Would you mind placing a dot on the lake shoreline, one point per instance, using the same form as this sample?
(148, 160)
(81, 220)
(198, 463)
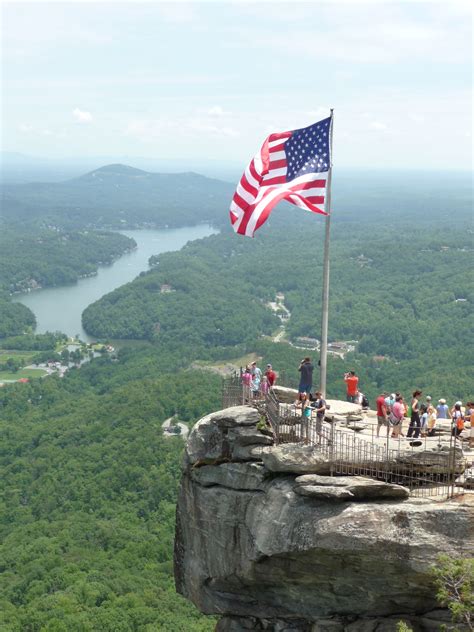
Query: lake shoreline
(59, 308)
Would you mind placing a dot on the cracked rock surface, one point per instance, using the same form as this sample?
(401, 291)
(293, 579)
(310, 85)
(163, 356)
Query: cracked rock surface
(277, 550)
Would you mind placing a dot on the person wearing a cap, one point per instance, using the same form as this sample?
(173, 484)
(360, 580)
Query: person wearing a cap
(270, 375)
(442, 409)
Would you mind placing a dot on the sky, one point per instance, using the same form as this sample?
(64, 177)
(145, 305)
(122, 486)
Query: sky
(210, 80)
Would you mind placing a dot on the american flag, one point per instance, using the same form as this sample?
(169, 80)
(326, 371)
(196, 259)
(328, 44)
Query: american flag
(291, 166)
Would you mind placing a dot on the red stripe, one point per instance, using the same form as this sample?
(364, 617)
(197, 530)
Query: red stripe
(312, 184)
(254, 173)
(240, 201)
(306, 204)
(278, 147)
(277, 135)
(275, 180)
(245, 184)
(278, 164)
(315, 199)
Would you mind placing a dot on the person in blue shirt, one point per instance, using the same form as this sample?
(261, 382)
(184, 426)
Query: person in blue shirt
(442, 409)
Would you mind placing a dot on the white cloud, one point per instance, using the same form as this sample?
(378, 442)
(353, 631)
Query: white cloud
(319, 113)
(25, 128)
(377, 125)
(216, 110)
(81, 116)
(149, 130)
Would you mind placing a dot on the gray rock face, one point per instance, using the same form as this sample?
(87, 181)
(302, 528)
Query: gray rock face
(295, 458)
(216, 436)
(270, 550)
(348, 488)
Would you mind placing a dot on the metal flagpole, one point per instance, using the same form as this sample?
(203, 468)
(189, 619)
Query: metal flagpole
(325, 306)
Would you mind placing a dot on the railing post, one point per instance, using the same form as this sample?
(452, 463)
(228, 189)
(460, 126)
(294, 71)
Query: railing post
(331, 449)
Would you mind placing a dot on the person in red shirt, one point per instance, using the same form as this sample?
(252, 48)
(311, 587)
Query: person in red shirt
(352, 382)
(382, 419)
(270, 375)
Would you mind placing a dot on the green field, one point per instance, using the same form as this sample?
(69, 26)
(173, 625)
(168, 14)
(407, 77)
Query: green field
(29, 373)
(25, 356)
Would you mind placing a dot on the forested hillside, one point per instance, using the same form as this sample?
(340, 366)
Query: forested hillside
(118, 196)
(88, 503)
(32, 257)
(87, 513)
(403, 292)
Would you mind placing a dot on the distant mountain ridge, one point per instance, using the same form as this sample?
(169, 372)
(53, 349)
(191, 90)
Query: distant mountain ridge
(113, 170)
(118, 196)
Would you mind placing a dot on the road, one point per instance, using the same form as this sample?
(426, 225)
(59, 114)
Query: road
(166, 425)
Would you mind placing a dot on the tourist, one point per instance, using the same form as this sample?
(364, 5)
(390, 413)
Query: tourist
(442, 409)
(247, 382)
(319, 404)
(389, 402)
(469, 417)
(423, 420)
(306, 376)
(270, 375)
(427, 402)
(457, 419)
(256, 372)
(396, 417)
(352, 382)
(301, 397)
(265, 386)
(431, 424)
(382, 414)
(414, 427)
(306, 411)
(256, 384)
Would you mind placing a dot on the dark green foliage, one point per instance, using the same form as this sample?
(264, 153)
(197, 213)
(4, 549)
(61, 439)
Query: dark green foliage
(87, 517)
(396, 296)
(34, 342)
(31, 257)
(212, 303)
(14, 317)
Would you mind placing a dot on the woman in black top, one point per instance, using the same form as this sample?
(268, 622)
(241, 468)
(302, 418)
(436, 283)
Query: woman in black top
(415, 416)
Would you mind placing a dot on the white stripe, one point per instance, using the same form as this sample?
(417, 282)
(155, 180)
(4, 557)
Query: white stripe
(236, 224)
(250, 179)
(308, 178)
(259, 208)
(277, 155)
(300, 203)
(274, 173)
(245, 195)
(266, 195)
(309, 192)
(257, 161)
(274, 143)
(236, 208)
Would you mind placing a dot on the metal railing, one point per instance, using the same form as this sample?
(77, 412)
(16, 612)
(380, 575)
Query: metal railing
(428, 466)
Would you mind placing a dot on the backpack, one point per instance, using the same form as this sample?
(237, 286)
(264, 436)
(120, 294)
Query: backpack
(459, 422)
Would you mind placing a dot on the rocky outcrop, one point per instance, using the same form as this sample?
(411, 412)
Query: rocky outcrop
(270, 549)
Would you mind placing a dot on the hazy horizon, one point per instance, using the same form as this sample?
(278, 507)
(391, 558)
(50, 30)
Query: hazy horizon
(183, 81)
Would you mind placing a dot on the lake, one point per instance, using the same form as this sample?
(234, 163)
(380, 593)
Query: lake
(60, 308)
